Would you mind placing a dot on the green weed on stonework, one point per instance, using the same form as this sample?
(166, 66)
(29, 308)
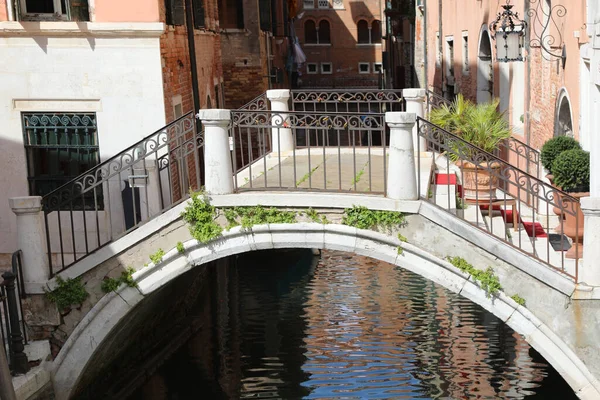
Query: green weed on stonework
(157, 257)
(67, 293)
(111, 284)
(258, 215)
(487, 280)
(363, 218)
(180, 248)
(518, 299)
(201, 215)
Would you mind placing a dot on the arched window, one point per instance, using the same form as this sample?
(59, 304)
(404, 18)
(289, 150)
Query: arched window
(376, 31)
(310, 32)
(564, 122)
(362, 28)
(324, 33)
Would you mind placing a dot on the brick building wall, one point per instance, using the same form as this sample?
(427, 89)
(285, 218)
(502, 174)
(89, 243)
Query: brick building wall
(344, 51)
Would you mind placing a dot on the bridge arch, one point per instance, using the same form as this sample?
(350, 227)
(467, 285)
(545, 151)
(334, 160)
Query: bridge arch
(114, 308)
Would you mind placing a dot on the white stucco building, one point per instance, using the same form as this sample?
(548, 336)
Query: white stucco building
(73, 93)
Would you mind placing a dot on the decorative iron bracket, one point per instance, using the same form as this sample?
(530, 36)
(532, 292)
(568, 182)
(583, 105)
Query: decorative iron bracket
(544, 24)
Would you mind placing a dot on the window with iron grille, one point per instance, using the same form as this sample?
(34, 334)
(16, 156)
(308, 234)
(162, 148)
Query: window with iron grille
(60, 147)
(52, 10)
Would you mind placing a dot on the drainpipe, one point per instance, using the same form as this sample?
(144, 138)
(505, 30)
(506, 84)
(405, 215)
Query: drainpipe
(441, 47)
(425, 64)
(192, 46)
(528, 80)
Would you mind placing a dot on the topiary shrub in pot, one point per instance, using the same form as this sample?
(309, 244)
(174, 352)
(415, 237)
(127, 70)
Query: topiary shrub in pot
(553, 147)
(571, 170)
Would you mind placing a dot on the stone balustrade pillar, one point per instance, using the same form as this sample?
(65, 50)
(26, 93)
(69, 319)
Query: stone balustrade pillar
(31, 239)
(589, 270)
(415, 103)
(218, 171)
(282, 138)
(401, 174)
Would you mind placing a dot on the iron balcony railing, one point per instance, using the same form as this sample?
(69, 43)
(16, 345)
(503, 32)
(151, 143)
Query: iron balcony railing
(350, 156)
(137, 184)
(12, 322)
(481, 188)
(348, 100)
(340, 82)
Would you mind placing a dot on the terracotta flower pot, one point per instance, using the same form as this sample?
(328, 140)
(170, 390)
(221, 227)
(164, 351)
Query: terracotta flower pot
(573, 224)
(478, 181)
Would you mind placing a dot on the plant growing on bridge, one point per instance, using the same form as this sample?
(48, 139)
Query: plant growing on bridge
(486, 279)
(403, 239)
(67, 293)
(518, 299)
(112, 284)
(231, 216)
(180, 248)
(201, 217)
(157, 257)
(258, 215)
(363, 218)
(315, 217)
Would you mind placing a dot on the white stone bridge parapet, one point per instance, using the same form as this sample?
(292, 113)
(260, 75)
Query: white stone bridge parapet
(560, 319)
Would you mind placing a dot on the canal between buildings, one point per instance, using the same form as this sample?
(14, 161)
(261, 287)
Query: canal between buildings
(289, 325)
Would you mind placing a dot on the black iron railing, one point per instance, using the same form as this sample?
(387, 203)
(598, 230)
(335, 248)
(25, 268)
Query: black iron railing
(365, 101)
(350, 156)
(137, 184)
(512, 149)
(12, 322)
(481, 187)
(259, 103)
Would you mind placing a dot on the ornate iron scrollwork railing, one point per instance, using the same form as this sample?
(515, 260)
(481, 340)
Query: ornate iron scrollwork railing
(492, 186)
(139, 183)
(348, 101)
(348, 144)
(259, 103)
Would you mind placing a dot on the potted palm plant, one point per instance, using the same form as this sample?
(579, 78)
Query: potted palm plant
(484, 127)
(571, 170)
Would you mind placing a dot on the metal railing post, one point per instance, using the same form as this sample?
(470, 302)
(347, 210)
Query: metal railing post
(217, 156)
(18, 359)
(31, 238)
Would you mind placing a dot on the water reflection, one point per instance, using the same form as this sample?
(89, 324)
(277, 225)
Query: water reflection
(285, 326)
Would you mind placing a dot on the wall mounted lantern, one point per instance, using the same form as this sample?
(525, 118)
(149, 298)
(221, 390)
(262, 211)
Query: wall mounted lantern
(508, 30)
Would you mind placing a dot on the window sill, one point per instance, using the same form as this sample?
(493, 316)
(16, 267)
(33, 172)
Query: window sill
(317, 44)
(81, 29)
(367, 44)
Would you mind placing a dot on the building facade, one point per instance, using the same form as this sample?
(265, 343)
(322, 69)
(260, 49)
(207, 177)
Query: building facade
(342, 41)
(540, 95)
(82, 81)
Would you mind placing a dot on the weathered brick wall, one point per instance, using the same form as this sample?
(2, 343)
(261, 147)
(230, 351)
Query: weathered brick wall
(344, 52)
(244, 61)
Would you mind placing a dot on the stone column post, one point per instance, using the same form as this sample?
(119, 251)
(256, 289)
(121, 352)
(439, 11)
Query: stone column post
(401, 174)
(217, 156)
(31, 239)
(589, 272)
(415, 103)
(282, 138)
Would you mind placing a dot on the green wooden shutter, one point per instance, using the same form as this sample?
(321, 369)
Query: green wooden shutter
(198, 8)
(264, 11)
(175, 12)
